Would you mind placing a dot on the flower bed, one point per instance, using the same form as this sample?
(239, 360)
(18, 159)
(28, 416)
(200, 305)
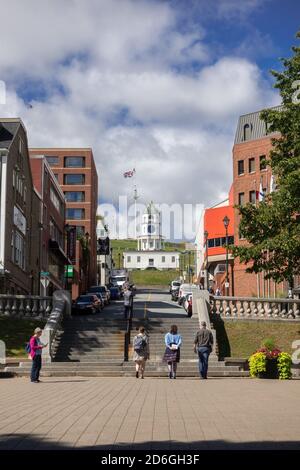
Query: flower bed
(269, 362)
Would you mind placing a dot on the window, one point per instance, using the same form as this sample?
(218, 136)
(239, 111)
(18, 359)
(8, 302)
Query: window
(80, 231)
(75, 214)
(211, 243)
(252, 197)
(217, 241)
(151, 244)
(173, 259)
(247, 132)
(128, 259)
(241, 199)
(56, 201)
(230, 240)
(240, 167)
(18, 249)
(53, 161)
(151, 262)
(55, 233)
(138, 259)
(251, 165)
(262, 163)
(75, 196)
(74, 162)
(74, 179)
(163, 259)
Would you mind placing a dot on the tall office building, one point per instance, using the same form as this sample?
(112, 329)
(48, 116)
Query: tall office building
(75, 171)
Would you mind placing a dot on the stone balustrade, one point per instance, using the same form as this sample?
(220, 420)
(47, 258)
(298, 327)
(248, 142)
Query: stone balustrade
(25, 306)
(255, 308)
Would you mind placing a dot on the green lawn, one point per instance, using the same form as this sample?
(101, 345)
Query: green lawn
(153, 278)
(16, 333)
(242, 338)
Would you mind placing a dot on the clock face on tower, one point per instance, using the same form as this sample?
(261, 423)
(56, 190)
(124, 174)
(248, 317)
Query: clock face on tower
(151, 228)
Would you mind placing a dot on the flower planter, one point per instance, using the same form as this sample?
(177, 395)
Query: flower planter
(271, 370)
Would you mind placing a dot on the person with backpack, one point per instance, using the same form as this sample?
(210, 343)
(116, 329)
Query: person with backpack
(34, 348)
(141, 352)
(172, 353)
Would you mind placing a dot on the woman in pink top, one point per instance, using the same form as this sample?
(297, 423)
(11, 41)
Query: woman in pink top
(36, 347)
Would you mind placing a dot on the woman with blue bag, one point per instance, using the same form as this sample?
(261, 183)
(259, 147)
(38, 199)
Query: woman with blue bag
(172, 353)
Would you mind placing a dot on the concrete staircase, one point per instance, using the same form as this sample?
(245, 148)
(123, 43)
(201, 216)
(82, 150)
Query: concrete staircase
(92, 346)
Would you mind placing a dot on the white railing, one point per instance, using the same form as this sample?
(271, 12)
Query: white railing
(25, 306)
(255, 308)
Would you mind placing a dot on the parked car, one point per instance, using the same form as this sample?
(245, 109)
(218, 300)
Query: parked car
(115, 293)
(188, 304)
(103, 290)
(184, 290)
(174, 285)
(88, 303)
(99, 296)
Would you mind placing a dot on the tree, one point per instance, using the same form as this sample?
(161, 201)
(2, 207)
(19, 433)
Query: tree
(273, 227)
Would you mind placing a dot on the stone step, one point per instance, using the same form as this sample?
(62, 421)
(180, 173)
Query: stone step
(119, 373)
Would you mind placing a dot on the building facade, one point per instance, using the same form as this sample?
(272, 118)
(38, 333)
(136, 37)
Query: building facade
(251, 180)
(150, 245)
(19, 234)
(211, 243)
(76, 174)
(52, 206)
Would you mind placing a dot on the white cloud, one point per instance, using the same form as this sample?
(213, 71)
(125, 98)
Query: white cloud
(125, 99)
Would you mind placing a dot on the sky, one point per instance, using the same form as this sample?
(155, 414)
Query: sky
(154, 85)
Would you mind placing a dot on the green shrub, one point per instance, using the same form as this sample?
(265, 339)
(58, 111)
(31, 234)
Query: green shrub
(284, 364)
(257, 364)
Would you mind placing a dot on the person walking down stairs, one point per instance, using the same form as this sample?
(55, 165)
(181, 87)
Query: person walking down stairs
(203, 345)
(172, 353)
(128, 303)
(141, 352)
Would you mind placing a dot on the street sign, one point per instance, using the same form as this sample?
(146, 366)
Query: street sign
(69, 271)
(226, 285)
(44, 273)
(45, 282)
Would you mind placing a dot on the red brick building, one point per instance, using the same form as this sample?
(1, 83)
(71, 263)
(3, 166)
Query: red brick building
(75, 171)
(19, 233)
(251, 176)
(52, 224)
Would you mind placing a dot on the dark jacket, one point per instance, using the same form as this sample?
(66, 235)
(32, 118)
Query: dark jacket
(204, 338)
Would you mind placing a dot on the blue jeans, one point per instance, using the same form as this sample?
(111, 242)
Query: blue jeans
(36, 367)
(203, 355)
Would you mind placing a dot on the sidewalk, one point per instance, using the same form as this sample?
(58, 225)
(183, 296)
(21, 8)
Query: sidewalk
(114, 413)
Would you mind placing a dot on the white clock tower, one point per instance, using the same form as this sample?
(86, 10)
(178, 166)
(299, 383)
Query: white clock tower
(150, 238)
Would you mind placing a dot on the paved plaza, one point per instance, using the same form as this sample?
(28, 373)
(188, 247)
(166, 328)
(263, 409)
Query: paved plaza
(114, 413)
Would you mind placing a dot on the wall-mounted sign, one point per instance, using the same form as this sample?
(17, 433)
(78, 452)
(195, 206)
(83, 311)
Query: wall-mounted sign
(19, 220)
(69, 271)
(71, 244)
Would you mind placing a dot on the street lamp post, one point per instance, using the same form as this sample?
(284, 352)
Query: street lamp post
(226, 221)
(189, 254)
(206, 251)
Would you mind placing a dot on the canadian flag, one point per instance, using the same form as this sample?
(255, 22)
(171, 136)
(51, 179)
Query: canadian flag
(129, 173)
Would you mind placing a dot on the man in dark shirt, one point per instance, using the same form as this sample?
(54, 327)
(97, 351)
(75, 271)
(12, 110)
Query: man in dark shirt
(203, 345)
